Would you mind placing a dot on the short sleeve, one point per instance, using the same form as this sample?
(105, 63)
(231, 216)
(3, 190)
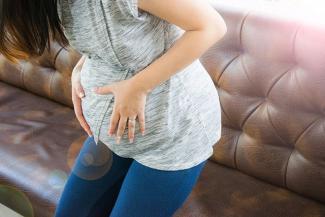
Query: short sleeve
(130, 7)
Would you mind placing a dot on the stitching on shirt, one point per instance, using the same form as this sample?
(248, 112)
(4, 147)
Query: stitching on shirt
(197, 113)
(116, 58)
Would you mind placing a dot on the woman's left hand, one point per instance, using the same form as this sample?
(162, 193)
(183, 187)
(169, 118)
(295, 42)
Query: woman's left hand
(129, 104)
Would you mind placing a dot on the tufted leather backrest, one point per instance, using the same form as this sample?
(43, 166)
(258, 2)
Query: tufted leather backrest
(270, 74)
(269, 70)
(48, 75)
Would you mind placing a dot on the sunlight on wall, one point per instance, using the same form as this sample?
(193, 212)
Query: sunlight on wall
(311, 11)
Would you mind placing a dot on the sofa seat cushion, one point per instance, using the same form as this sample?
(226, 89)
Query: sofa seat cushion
(39, 140)
(225, 192)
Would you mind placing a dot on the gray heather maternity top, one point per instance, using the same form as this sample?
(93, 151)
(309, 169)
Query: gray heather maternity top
(182, 114)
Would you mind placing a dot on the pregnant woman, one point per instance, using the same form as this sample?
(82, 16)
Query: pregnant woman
(150, 108)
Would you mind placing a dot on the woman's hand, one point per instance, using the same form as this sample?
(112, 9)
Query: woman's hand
(129, 104)
(77, 94)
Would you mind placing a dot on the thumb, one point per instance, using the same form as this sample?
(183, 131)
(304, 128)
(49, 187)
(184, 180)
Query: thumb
(103, 89)
(80, 91)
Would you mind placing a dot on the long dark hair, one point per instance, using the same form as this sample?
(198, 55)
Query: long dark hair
(27, 28)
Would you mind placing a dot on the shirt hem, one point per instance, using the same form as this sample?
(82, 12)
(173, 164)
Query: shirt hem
(197, 161)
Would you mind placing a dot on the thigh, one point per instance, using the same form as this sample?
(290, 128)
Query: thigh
(148, 192)
(94, 182)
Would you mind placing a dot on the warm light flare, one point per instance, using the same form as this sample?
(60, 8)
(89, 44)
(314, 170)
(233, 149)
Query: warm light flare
(312, 11)
(304, 11)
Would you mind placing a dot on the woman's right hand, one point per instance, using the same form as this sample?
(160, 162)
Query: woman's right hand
(77, 94)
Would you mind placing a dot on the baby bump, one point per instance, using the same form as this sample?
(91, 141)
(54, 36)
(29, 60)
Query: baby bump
(157, 125)
(95, 73)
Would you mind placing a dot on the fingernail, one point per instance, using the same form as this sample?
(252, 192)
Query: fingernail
(142, 133)
(95, 89)
(118, 138)
(131, 140)
(81, 95)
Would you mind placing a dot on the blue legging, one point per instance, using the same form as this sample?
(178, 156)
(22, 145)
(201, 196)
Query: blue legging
(103, 184)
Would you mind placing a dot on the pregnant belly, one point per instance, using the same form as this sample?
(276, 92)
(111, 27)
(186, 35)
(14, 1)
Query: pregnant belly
(95, 73)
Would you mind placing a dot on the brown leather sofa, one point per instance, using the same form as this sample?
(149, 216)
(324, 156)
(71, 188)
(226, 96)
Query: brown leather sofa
(270, 162)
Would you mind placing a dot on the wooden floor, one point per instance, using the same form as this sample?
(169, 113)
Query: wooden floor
(6, 212)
